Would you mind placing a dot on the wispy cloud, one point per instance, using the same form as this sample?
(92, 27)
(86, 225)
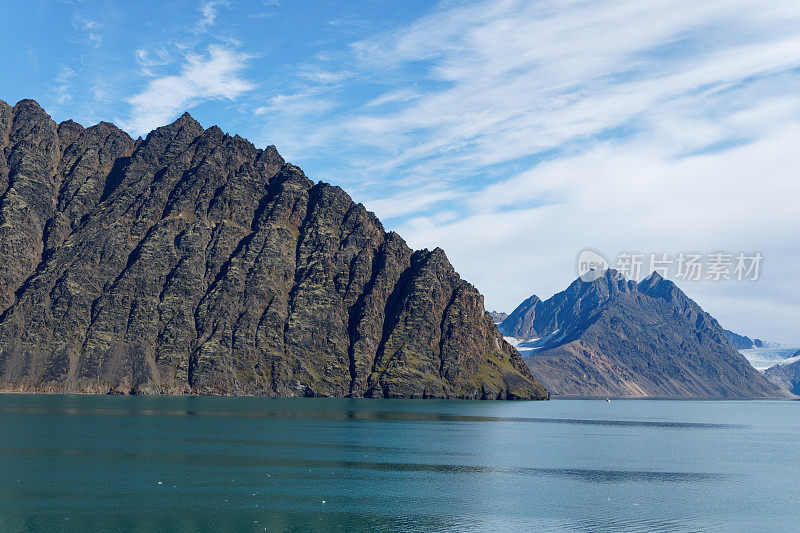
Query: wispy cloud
(411, 202)
(508, 79)
(208, 13)
(392, 97)
(513, 133)
(150, 60)
(296, 104)
(63, 88)
(216, 74)
(271, 12)
(635, 196)
(101, 90)
(89, 28)
(551, 126)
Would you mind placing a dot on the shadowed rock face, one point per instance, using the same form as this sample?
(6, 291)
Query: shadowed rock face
(192, 262)
(612, 337)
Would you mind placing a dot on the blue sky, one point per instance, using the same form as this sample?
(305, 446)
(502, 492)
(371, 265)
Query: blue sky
(513, 134)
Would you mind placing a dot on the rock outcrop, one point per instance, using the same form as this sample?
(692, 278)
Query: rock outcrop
(613, 337)
(742, 342)
(193, 262)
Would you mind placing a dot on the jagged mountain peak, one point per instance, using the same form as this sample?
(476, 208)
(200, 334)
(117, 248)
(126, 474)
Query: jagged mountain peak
(185, 128)
(217, 131)
(653, 277)
(24, 102)
(521, 323)
(655, 284)
(191, 261)
(611, 337)
(185, 121)
(608, 284)
(71, 124)
(566, 310)
(28, 104)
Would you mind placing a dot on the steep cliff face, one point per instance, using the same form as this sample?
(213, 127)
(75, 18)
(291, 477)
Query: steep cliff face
(191, 261)
(612, 337)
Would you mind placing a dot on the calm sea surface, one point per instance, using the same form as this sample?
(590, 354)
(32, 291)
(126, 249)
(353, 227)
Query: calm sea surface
(232, 464)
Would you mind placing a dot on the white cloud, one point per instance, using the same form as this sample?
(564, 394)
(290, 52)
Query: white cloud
(296, 104)
(89, 28)
(208, 13)
(101, 90)
(665, 125)
(392, 97)
(149, 61)
(413, 202)
(517, 84)
(216, 74)
(517, 81)
(63, 88)
(271, 5)
(634, 196)
(325, 77)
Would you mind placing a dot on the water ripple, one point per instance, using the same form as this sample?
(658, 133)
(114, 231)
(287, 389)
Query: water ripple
(366, 415)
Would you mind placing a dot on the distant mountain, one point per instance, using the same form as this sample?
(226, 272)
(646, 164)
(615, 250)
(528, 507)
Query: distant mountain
(786, 374)
(193, 262)
(740, 342)
(534, 319)
(498, 317)
(613, 337)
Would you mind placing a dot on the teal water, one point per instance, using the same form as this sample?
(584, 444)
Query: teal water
(245, 464)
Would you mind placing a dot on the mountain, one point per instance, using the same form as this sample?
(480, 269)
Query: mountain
(613, 337)
(534, 319)
(193, 262)
(740, 342)
(519, 323)
(786, 374)
(497, 316)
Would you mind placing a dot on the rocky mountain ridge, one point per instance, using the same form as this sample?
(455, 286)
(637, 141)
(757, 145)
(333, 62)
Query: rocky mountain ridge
(743, 342)
(192, 262)
(614, 337)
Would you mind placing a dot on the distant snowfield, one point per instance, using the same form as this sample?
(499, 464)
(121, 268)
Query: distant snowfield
(767, 356)
(789, 361)
(761, 358)
(529, 346)
(520, 345)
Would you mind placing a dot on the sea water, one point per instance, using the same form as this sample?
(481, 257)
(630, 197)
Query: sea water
(253, 464)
